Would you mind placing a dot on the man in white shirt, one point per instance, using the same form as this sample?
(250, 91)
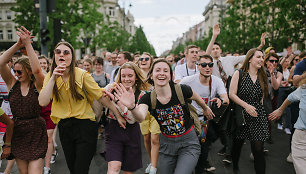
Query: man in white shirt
(189, 68)
(122, 57)
(208, 87)
(113, 65)
(225, 66)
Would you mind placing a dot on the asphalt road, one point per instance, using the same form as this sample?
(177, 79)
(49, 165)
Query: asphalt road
(275, 159)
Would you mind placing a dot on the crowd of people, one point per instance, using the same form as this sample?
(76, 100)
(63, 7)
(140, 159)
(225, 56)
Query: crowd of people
(179, 106)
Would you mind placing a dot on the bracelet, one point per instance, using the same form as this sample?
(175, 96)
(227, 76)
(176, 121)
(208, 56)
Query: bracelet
(132, 108)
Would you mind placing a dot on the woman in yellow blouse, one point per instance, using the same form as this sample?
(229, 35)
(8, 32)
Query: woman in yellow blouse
(65, 85)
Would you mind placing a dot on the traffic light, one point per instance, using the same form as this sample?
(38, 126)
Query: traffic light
(44, 36)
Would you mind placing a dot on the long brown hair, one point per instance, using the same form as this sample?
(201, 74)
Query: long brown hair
(72, 85)
(140, 81)
(261, 74)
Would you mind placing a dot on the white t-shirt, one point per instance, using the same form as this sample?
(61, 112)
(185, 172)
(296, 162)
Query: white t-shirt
(228, 64)
(113, 76)
(217, 87)
(182, 71)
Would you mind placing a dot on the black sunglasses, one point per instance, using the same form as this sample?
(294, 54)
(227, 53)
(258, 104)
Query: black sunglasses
(146, 59)
(273, 61)
(18, 72)
(210, 64)
(58, 51)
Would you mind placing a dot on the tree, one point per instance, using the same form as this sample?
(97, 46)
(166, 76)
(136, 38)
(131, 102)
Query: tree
(140, 42)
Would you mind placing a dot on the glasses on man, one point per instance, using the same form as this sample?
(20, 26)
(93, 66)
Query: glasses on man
(210, 64)
(145, 59)
(17, 72)
(58, 51)
(273, 61)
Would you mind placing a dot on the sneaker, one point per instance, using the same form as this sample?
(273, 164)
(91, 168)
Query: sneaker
(148, 168)
(266, 150)
(289, 158)
(222, 151)
(279, 126)
(153, 170)
(209, 168)
(251, 157)
(227, 159)
(47, 170)
(53, 157)
(288, 132)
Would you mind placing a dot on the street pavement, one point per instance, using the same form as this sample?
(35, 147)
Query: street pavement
(275, 159)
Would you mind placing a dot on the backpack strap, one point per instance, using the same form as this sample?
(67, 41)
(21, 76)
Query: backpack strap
(153, 100)
(179, 93)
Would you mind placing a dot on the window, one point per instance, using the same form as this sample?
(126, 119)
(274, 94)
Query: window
(111, 11)
(9, 35)
(8, 14)
(1, 34)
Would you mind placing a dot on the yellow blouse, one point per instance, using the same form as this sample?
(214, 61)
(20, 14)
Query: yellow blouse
(1, 112)
(68, 107)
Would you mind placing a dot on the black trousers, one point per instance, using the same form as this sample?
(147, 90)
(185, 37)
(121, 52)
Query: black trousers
(79, 141)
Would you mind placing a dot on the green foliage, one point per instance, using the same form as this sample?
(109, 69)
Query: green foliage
(283, 20)
(140, 43)
(80, 19)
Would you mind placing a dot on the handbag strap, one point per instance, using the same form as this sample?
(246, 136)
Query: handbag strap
(153, 99)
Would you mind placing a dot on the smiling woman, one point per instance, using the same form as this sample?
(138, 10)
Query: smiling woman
(29, 141)
(65, 84)
(179, 146)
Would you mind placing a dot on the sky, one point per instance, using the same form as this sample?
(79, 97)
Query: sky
(163, 21)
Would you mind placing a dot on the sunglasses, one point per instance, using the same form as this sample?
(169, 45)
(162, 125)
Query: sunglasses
(211, 64)
(273, 61)
(296, 60)
(145, 59)
(58, 51)
(17, 72)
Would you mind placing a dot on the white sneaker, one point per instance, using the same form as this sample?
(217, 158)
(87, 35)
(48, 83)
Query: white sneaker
(251, 156)
(289, 158)
(287, 130)
(279, 126)
(53, 157)
(47, 170)
(153, 170)
(148, 168)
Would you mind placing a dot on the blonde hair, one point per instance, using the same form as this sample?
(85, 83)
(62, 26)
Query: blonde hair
(140, 78)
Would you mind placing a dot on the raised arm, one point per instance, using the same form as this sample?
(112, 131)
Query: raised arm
(5, 71)
(262, 41)
(25, 37)
(216, 32)
(127, 98)
(233, 95)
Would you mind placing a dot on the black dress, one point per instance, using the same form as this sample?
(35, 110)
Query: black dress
(256, 128)
(30, 140)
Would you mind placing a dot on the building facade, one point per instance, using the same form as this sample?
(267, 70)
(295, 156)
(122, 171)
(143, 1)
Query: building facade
(7, 26)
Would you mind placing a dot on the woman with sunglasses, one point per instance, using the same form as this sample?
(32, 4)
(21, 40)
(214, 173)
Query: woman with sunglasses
(29, 141)
(252, 90)
(274, 81)
(149, 127)
(179, 146)
(72, 91)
